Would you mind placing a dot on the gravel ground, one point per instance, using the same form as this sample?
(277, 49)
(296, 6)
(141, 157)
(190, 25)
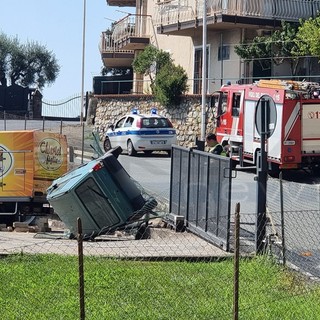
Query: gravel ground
(78, 136)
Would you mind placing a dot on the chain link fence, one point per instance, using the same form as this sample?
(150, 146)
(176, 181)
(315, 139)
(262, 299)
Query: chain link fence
(170, 273)
(165, 275)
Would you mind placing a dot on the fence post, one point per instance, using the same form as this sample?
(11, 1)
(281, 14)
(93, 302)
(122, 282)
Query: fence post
(282, 221)
(81, 274)
(82, 143)
(236, 262)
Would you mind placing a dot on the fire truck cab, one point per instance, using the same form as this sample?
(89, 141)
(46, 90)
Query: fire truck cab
(295, 139)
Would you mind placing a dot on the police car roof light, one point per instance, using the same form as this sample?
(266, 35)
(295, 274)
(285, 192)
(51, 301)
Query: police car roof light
(134, 111)
(153, 111)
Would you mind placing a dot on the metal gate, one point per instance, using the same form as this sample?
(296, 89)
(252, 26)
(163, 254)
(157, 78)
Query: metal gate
(200, 191)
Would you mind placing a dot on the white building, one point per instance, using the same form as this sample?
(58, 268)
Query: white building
(176, 26)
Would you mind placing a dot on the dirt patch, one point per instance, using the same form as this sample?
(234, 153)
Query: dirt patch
(78, 136)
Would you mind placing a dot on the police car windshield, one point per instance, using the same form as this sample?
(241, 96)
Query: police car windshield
(155, 123)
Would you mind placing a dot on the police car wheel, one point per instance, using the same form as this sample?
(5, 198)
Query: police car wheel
(106, 144)
(131, 149)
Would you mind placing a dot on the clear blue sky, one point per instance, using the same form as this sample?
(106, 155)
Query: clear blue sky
(58, 25)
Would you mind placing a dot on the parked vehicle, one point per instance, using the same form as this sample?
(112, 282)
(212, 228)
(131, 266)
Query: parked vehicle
(293, 122)
(103, 195)
(29, 161)
(139, 132)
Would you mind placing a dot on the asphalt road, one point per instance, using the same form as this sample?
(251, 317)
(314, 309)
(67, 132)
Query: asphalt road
(153, 174)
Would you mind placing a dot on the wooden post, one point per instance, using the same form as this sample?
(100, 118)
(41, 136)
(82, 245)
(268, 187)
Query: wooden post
(236, 262)
(81, 273)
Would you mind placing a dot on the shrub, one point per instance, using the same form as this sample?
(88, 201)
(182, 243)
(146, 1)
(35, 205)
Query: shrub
(170, 84)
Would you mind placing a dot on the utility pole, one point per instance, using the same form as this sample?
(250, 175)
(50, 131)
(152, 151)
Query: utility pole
(204, 73)
(262, 175)
(83, 59)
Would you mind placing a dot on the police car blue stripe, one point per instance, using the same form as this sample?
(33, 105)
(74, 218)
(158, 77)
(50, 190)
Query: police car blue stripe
(142, 132)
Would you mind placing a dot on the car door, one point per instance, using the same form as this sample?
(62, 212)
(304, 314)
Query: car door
(117, 135)
(128, 133)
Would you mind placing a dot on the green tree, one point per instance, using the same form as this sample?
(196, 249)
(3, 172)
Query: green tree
(150, 61)
(308, 37)
(257, 50)
(278, 48)
(170, 83)
(29, 64)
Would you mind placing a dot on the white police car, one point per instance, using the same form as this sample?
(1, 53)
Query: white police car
(140, 132)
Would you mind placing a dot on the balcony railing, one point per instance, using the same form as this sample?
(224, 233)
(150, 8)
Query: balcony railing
(107, 44)
(122, 3)
(170, 12)
(138, 26)
(130, 33)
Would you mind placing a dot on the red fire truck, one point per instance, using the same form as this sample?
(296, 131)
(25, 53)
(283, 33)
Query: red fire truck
(295, 123)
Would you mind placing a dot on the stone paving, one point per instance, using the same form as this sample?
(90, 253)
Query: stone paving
(164, 243)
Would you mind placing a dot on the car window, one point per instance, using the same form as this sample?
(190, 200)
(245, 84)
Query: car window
(155, 123)
(129, 122)
(119, 124)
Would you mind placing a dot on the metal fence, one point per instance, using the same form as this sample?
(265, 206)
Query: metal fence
(187, 10)
(66, 108)
(167, 275)
(201, 193)
(295, 220)
(170, 274)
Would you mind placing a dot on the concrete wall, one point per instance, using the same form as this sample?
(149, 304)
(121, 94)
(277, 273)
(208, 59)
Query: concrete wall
(186, 117)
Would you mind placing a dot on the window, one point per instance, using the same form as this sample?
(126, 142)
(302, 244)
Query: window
(219, 103)
(197, 74)
(236, 104)
(155, 123)
(224, 102)
(224, 53)
(120, 123)
(129, 122)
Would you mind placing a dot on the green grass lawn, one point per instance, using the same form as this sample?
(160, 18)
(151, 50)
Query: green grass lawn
(47, 287)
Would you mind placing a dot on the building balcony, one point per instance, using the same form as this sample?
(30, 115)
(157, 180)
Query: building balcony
(122, 3)
(113, 57)
(179, 16)
(129, 34)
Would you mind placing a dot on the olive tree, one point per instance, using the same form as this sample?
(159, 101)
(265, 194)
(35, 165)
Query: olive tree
(30, 64)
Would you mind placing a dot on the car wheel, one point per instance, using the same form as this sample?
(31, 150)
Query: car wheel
(106, 144)
(131, 150)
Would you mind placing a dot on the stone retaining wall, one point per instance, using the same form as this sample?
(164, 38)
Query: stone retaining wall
(186, 117)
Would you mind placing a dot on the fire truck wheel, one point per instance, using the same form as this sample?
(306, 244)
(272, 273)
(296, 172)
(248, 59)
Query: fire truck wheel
(274, 170)
(316, 171)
